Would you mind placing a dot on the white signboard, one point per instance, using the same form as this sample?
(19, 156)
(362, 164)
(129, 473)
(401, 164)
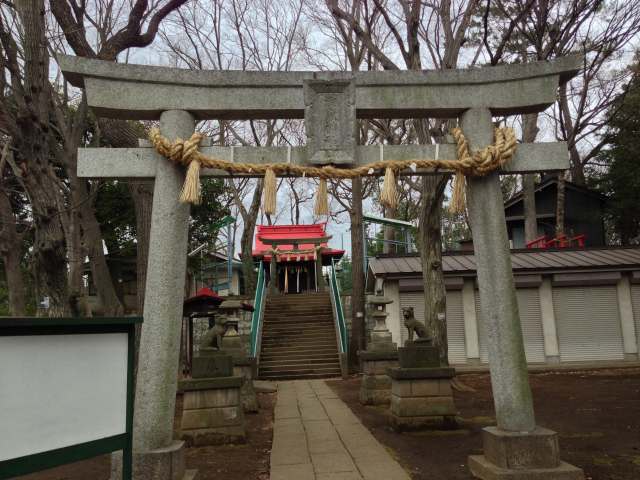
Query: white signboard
(61, 390)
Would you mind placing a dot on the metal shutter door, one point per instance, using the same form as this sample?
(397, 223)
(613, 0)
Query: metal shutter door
(455, 328)
(482, 333)
(455, 322)
(588, 323)
(635, 302)
(530, 320)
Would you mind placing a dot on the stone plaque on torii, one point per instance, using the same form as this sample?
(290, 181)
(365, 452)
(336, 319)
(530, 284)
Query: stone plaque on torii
(330, 103)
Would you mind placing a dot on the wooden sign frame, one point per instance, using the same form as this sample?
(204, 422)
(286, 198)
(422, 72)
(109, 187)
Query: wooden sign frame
(29, 326)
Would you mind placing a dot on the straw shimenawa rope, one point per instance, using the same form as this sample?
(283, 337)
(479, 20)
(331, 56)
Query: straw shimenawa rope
(476, 163)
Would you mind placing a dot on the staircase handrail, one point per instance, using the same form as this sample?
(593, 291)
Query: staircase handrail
(258, 314)
(338, 312)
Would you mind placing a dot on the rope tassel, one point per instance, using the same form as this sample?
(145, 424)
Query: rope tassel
(458, 196)
(191, 190)
(270, 192)
(321, 206)
(389, 196)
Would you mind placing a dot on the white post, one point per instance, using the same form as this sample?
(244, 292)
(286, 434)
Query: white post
(549, 329)
(471, 339)
(507, 363)
(625, 307)
(164, 295)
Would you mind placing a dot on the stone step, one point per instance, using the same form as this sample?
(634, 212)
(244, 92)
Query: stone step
(297, 325)
(302, 312)
(298, 376)
(297, 296)
(298, 341)
(298, 338)
(287, 364)
(305, 350)
(284, 321)
(301, 357)
(297, 330)
(293, 335)
(321, 303)
(301, 322)
(306, 373)
(295, 339)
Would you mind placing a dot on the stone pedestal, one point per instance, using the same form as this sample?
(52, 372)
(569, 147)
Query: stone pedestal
(162, 464)
(421, 395)
(522, 456)
(245, 367)
(212, 412)
(422, 398)
(376, 384)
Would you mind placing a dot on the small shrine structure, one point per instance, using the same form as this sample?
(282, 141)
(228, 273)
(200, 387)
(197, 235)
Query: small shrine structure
(293, 256)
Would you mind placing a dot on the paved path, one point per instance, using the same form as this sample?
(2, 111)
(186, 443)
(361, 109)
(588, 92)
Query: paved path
(317, 437)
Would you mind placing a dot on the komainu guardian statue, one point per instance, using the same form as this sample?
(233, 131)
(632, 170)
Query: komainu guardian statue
(414, 325)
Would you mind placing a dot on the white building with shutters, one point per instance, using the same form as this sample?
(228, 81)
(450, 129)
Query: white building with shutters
(575, 305)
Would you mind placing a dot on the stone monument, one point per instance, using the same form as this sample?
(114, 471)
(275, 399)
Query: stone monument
(381, 354)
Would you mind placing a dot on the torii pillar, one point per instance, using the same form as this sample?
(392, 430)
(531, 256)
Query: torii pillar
(156, 454)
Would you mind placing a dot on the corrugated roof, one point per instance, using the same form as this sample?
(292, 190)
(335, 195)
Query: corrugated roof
(521, 260)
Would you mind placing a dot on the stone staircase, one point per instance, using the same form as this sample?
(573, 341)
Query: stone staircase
(298, 338)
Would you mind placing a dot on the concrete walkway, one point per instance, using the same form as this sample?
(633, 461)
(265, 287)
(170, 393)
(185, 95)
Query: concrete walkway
(317, 437)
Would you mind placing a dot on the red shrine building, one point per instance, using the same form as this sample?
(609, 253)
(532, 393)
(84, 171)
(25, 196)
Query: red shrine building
(294, 255)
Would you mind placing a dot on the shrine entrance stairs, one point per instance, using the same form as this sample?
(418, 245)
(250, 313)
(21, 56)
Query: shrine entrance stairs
(299, 338)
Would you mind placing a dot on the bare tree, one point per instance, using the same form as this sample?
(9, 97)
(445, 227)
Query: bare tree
(12, 234)
(441, 28)
(26, 111)
(221, 35)
(542, 30)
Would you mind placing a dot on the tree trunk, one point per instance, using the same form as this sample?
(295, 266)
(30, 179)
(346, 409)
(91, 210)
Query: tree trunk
(430, 241)
(75, 258)
(100, 273)
(142, 194)
(11, 250)
(122, 134)
(250, 218)
(529, 201)
(86, 217)
(577, 169)
(15, 281)
(357, 341)
(560, 205)
(529, 134)
(41, 182)
(389, 232)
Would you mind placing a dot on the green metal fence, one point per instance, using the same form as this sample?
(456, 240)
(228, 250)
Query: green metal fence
(256, 318)
(338, 310)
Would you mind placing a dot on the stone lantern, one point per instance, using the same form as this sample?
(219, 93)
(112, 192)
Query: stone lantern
(381, 354)
(232, 343)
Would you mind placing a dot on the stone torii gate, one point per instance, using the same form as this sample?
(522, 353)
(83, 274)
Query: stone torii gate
(330, 103)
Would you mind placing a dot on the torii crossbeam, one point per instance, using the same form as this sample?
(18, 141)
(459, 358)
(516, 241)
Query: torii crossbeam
(330, 103)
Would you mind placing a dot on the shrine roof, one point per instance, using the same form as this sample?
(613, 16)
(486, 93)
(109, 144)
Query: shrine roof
(284, 232)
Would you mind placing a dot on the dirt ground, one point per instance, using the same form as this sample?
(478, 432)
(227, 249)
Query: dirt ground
(596, 413)
(232, 462)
